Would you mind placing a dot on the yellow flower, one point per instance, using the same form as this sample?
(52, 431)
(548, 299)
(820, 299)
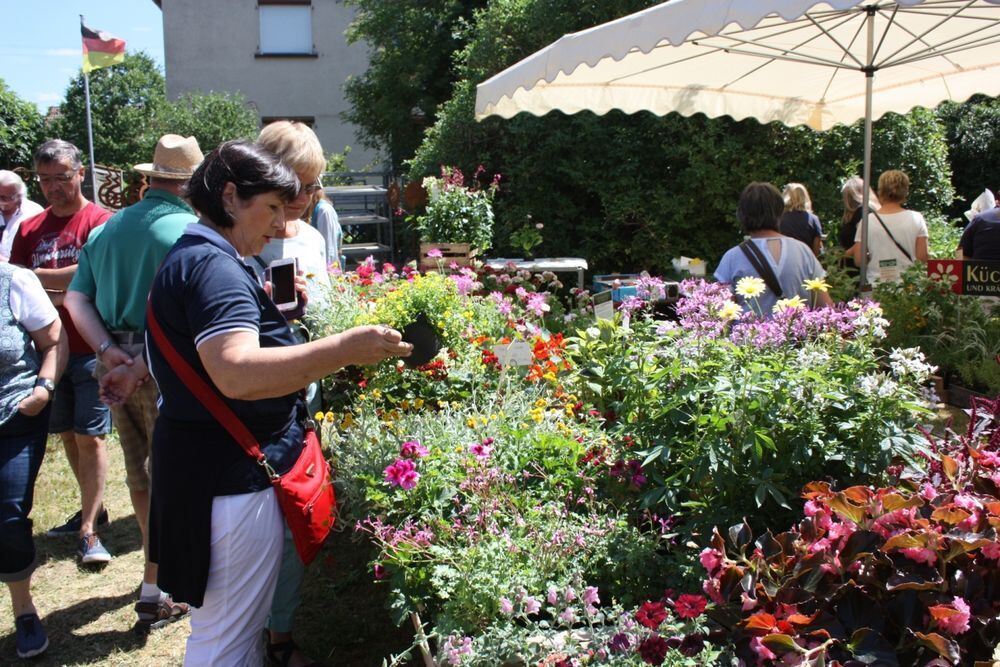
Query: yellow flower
(750, 287)
(347, 422)
(328, 418)
(541, 403)
(471, 422)
(795, 302)
(816, 285)
(418, 403)
(730, 310)
(318, 416)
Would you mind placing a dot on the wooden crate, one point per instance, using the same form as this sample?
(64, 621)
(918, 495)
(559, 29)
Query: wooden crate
(459, 253)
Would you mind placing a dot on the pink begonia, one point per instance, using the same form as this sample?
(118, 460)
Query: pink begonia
(711, 589)
(920, 555)
(762, 651)
(991, 551)
(927, 491)
(955, 623)
(966, 502)
(711, 560)
(412, 449)
(434, 253)
(506, 607)
(402, 473)
(748, 602)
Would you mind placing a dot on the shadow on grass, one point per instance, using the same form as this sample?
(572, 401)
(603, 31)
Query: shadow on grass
(68, 647)
(119, 537)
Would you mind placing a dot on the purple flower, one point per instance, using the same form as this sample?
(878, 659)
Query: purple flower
(482, 450)
(402, 473)
(380, 572)
(620, 643)
(434, 253)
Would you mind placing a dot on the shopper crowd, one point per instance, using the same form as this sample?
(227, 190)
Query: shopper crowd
(77, 285)
(101, 314)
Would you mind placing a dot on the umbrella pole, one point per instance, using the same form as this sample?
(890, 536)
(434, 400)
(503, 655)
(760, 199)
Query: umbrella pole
(866, 175)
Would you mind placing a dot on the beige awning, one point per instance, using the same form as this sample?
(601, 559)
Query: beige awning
(795, 61)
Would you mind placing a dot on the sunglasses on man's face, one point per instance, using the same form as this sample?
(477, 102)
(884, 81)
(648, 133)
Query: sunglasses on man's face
(60, 179)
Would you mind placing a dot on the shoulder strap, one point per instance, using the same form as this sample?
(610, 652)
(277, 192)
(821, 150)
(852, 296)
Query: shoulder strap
(761, 266)
(260, 262)
(204, 393)
(901, 248)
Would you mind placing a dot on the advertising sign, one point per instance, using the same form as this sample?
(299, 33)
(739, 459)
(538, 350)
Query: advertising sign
(971, 277)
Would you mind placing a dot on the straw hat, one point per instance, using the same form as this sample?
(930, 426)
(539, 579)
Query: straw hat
(175, 157)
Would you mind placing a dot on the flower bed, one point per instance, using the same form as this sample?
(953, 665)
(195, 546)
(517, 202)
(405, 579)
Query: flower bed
(537, 514)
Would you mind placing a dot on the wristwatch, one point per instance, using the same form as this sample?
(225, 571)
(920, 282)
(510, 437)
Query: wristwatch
(46, 384)
(104, 346)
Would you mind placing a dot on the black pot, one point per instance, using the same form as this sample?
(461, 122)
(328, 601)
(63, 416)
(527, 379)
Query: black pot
(424, 339)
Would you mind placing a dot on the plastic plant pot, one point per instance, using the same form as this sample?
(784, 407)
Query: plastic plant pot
(424, 339)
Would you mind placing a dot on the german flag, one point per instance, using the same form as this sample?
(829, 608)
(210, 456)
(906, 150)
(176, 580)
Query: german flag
(100, 49)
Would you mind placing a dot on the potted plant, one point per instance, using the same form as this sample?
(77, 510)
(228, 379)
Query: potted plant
(458, 220)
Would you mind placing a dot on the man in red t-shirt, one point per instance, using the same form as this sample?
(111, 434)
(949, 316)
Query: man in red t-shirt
(49, 244)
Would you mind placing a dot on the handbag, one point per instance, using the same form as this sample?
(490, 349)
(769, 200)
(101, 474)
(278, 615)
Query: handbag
(762, 267)
(305, 493)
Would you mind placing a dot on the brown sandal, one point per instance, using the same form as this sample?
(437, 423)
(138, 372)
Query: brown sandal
(155, 615)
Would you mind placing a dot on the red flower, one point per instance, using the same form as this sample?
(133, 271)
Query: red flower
(651, 614)
(690, 606)
(653, 650)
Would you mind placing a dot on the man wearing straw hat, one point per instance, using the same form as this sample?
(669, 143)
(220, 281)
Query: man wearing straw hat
(107, 300)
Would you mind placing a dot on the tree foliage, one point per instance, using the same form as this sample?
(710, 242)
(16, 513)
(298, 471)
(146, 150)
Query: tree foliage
(124, 101)
(632, 191)
(21, 129)
(410, 68)
(973, 136)
(209, 117)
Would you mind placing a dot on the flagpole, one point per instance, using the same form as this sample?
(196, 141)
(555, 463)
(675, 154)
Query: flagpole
(90, 127)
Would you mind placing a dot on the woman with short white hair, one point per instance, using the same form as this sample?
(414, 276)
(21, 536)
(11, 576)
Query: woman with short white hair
(14, 207)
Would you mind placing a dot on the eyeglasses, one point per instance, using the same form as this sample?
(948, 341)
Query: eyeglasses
(313, 188)
(61, 179)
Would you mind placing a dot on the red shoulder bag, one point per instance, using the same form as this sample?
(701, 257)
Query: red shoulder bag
(305, 493)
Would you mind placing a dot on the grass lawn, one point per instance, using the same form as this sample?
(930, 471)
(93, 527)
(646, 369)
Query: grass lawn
(89, 615)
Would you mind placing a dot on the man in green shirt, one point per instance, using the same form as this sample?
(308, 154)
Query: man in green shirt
(107, 301)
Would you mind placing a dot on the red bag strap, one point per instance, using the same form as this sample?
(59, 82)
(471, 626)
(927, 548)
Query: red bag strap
(204, 393)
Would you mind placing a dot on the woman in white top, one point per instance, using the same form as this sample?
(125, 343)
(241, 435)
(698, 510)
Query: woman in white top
(897, 237)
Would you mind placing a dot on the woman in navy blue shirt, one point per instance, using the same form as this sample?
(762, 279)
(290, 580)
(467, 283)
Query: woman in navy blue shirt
(215, 526)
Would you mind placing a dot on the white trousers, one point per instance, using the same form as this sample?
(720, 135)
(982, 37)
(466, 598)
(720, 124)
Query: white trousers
(247, 537)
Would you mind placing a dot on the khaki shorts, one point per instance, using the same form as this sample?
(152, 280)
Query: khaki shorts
(134, 422)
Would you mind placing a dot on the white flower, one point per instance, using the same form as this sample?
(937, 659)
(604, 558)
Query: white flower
(910, 361)
(593, 332)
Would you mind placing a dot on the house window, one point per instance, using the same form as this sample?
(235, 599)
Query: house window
(285, 28)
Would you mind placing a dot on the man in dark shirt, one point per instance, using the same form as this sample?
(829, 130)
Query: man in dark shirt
(981, 239)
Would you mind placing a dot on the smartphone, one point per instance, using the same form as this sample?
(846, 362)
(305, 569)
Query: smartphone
(281, 274)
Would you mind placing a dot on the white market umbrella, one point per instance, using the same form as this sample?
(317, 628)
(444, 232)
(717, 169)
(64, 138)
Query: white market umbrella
(799, 62)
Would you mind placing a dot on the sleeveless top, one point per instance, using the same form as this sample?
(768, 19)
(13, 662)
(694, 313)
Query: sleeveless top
(19, 361)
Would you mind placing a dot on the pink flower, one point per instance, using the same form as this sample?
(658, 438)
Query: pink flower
(531, 605)
(506, 607)
(920, 555)
(380, 572)
(927, 491)
(434, 253)
(482, 450)
(711, 560)
(991, 551)
(412, 449)
(590, 595)
(763, 652)
(748, 602)
(402, 473)
(953, 618)
(552, 596)
(711, 589)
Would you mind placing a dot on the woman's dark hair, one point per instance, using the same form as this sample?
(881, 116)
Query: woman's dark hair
(251, 168)
(760, 207)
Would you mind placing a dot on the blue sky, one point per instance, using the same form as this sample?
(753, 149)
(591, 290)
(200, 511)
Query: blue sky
(40, 50)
